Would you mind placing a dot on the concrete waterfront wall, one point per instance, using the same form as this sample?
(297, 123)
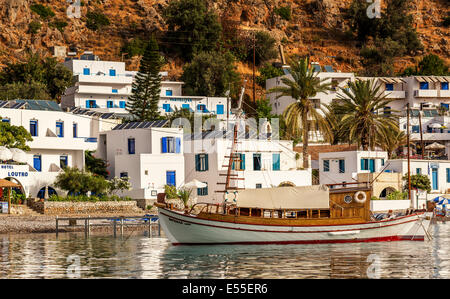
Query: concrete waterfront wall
(100, 207)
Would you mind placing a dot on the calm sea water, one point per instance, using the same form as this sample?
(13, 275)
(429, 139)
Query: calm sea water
(135, 255)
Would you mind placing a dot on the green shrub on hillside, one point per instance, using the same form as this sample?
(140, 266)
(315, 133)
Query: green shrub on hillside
(284, 12)
(34, 27)
(96, 20)
(43, 11)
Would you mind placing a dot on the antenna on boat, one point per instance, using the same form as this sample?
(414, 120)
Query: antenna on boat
(409, 162)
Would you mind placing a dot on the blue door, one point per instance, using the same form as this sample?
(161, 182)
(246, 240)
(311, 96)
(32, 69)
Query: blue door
(37, 162)
(434, 178)
(219, 109)
(372, 165)
(170, 178)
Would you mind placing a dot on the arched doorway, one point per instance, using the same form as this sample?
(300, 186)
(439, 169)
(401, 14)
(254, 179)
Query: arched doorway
(386, 191)
(286, 184)
(51, 191)
(18, 195)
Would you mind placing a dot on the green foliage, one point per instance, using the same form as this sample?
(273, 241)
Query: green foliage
(418, 181)
(134, 47)
(183, 113)
(95, 165)
(210, 74)
(119, 184)
(21, 90)
(80, 182)
(184, 195)
(192, 27)
(284, 12)
(446, 21)
(146, 88)
(171, 191)
(266, 72)
(397, 195)
(58, 24)
(393, 35)
(265, 48)
(46, 78)
(17, 198)
(432, 65)
(429, 65)
(96, 20)
(14, 136)
(34, 27)
(43, 11)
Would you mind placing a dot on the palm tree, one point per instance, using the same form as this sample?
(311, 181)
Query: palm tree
(303, 114)
(361, 104)
(393, 141)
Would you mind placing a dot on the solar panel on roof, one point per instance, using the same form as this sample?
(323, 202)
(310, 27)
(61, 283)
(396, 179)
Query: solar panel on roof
(17, 105)
(328, 68)
(3, 104)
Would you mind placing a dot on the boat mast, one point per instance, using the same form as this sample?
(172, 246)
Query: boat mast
(409, 159)
(238, 112)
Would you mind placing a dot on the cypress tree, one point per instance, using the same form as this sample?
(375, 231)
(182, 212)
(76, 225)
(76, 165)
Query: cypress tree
(146, 88)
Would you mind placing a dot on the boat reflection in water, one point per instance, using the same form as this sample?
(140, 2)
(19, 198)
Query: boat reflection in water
(138, 256)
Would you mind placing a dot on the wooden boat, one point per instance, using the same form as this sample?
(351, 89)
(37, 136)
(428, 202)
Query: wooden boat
(346, 219)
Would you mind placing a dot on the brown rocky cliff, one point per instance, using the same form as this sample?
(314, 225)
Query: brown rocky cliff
(317, 27)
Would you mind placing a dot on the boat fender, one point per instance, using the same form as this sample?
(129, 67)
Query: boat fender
(360, 197)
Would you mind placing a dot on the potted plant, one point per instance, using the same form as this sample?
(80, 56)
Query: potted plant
(185, 195)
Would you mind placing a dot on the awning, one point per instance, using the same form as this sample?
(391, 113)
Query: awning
(436, 126)
(305, 197)
(434, 146)
(391, 80)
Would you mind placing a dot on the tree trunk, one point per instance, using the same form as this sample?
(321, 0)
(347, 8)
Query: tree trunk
(305, 139)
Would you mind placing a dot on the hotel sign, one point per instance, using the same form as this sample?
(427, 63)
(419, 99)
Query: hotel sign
(12, 170)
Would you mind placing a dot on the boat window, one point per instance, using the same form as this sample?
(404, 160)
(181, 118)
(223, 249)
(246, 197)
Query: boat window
(302, 214)
(267, 214)
(256, 212)
(324, 213)
(290, 214)
(244, 211)
(315, 214)
(277, 214)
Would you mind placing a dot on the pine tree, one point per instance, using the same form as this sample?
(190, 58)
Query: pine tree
(146, 88)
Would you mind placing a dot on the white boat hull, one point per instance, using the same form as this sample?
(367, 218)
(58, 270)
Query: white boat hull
(188, 229)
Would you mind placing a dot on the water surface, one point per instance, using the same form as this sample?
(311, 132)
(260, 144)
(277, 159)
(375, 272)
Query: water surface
(135, 255)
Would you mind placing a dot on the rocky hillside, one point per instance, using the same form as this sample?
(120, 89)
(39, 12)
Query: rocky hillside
(316, 27)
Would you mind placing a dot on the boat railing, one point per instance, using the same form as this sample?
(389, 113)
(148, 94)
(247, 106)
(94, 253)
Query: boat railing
(347, 186)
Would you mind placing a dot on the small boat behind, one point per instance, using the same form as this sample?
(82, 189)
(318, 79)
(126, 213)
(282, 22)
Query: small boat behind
(291, 215)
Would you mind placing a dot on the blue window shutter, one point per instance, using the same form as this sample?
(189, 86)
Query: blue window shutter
(178, 145)
(37, 163)
(112, 72)
(164, 144)
(219, 109)
(197, 162)
(87, 104)
(276, 161)
(448, 175)
(242, 161)
(206, 163)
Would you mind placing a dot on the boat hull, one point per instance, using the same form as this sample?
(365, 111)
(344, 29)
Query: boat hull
(191, 230)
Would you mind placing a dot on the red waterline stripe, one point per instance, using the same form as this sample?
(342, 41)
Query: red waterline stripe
(366, 240)
(359, 223)
(275, 231)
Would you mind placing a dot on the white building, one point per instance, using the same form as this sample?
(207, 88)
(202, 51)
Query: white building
(262, 164)
(438, 171)
(59, 139)
(148, 153)
(105, 86)
(344, 167)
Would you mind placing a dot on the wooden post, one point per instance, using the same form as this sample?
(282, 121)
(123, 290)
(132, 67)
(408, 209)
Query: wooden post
(56, 225)
(115, 227)
(9, 200)
(89, 225)
(121, 226)
(149, 227)
(159, 228)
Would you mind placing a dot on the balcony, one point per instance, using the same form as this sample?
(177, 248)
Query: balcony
(444, 93)
(425, 93)
(107, 90)
(119, 79)
(395, 94)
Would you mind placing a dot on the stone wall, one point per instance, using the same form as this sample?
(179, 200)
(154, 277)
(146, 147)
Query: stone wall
(100, 207)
